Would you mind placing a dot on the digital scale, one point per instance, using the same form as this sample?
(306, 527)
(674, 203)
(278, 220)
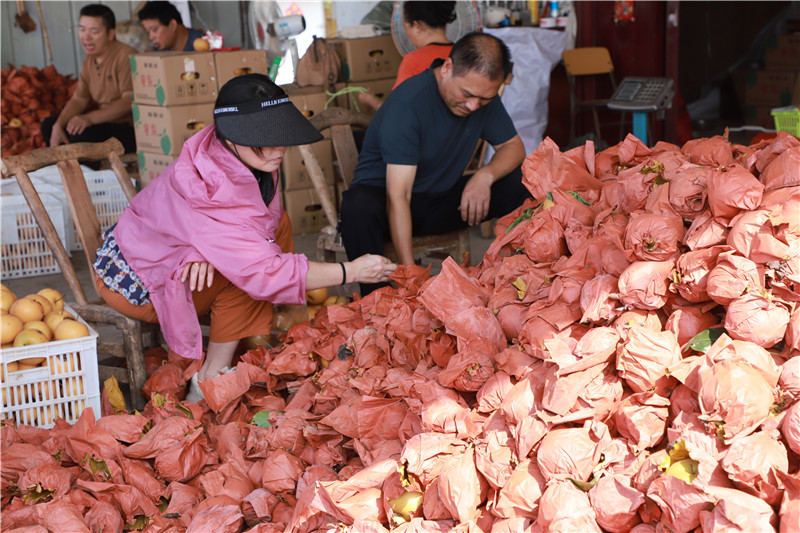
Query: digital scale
(641, 95)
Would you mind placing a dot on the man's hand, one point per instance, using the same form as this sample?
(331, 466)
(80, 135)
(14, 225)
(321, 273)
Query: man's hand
(58, 136)
(476, 196)
(77, 124)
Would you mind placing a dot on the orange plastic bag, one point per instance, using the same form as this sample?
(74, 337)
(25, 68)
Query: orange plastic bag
(736, 510)
(790, 505)
(688, 191)
(756, 473)
(753, 235)
(616, 503)
(735, 394)
(161, 436)
(783, 171)
(572, 452)
(790, 378)
(691, 273)
(167, 379)
(713, 151)
(104, 517)
(599, 302)
(460, 486)
(124, 427)
(645, 284)
(451, 292)
(758, 318)
(642, 419)
(686, 322)
(790, 428)
(732, 276)
(219, 519)
(652, 236)
(185, 459)
(645, 357)
(705, 231)
(731, 190)
(564, 507)
(519, 497)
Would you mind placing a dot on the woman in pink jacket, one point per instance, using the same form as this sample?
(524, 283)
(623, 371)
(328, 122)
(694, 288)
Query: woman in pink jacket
(212, 221)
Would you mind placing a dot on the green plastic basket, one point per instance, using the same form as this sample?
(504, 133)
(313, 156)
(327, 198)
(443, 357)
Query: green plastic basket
(787, 119)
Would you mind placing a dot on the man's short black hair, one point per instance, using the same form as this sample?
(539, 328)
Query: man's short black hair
(482, 53)
(102, 12)
(161, 10)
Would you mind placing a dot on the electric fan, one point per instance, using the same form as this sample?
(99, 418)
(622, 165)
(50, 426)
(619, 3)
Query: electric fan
(468, 19)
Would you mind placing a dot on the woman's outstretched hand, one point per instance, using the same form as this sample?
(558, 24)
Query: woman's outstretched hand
(198, 273)
(370, 269)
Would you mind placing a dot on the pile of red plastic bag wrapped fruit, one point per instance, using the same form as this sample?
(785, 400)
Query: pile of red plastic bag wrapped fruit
(624, 358)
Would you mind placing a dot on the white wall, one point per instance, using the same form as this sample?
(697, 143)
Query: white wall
(349, 13)
(61, 20)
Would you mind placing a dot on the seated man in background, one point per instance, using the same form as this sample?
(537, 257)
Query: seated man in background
(105, 79)
(162, 21)
(409, 175)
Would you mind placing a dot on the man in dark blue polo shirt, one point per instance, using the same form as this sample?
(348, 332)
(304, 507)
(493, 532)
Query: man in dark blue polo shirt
(409, 179)
(162, 22)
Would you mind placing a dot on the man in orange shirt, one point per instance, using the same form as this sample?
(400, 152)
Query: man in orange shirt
(105, 79)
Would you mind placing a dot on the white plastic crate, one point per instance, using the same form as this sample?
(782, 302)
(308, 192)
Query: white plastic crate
(24, 249)
(62, 386)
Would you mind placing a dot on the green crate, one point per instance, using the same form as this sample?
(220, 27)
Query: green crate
(787, 119)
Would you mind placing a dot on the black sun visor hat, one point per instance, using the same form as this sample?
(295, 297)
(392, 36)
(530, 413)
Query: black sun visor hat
(265, 123)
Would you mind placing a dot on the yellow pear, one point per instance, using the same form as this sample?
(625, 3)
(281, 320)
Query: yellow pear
(6, 299)
(26, 337)
(47, 306)
(10, 326)
(52, 319)
(70, 329)
(27, 309)
(55, 298)
(39, 325)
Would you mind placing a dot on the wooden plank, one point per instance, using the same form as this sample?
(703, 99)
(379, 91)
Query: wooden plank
(81, 206)
(346, 152)
(320, 185)
(49, 231)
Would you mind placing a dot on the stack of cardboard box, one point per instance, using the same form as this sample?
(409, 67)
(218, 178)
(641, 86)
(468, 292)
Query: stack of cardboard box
(776, 85)
(300, 199)
(369, 62)
(173, 98)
